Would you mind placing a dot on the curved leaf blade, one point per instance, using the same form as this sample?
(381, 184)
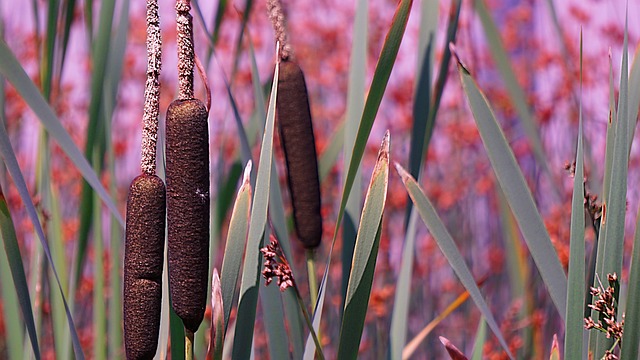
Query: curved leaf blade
(11, 69)
(10, 242)
(364, 257)
(249, 287)
(14, 170)
(575, 296)
(450, 250)
(234, 247)
(518, 195)
(376, 91)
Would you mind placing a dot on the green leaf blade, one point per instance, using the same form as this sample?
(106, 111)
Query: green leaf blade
(251, 268)
(450, 250)
(235, 244)
(364, 257)
(518, 195)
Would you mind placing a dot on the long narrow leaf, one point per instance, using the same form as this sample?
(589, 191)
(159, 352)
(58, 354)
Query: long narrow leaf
(278, 221)
(518, 195)
(355, 104)
(364, 257)
(114, 74)
(251, 268)
(575, 297)
(14, 170)
(632, 312)
(11, 69)
(234, 248)
(273, 316)
(400, 316)
(450, 250)
(515, 91)
(634, 95)
(11, 310)
(427, 100)
(12, 253)
(376, 91)
(478, 344)
(614, 209)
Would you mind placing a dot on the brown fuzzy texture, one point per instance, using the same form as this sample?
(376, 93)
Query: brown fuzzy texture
(143, 263)
(187, 175)
(296, 134)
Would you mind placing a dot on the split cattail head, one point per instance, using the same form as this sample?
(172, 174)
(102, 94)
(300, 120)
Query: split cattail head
(296, 136)
(143, 265)
(187, 176)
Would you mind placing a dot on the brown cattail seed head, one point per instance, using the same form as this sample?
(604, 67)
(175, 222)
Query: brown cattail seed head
(187, 175)
(296, 135)
(143, 263)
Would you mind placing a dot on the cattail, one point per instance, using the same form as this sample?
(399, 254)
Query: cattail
(296, 136)
(145, 224)
(143, 263)
(187, 175)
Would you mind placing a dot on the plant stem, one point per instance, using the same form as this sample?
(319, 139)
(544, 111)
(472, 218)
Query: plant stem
(309, 324)
(313, 283)
(188, 344)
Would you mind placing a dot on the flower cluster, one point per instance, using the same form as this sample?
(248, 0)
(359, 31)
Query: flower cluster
(276, 265)
(606, 306)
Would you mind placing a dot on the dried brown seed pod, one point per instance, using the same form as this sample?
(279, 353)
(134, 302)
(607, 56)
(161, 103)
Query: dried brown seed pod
(143, 263)
(187, 175)
(296, 136)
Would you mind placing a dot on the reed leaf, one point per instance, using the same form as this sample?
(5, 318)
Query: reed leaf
(517, 193)
(13, 71)
(576, 284)
(251, 267)
(355, 105)
(515, 91)
(449, 249)
(376, 91)
(235, 244)
(365, 254)
(14, 170)
(14, 261)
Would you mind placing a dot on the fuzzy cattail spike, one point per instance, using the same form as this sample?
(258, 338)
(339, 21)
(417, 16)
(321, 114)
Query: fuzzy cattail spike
(143, 264)
(145, 221)
(296, 136)
(187, 175)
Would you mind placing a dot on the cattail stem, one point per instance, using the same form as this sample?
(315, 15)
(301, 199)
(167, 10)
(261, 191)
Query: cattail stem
(188, 344)
(186, 56)
(311, 271)
(307, 319)
(152, 90)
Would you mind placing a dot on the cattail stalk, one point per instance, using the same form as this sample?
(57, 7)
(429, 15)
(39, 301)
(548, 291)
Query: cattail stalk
(187, 176)
(296, 136)
(145, 221)
(186, 57)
